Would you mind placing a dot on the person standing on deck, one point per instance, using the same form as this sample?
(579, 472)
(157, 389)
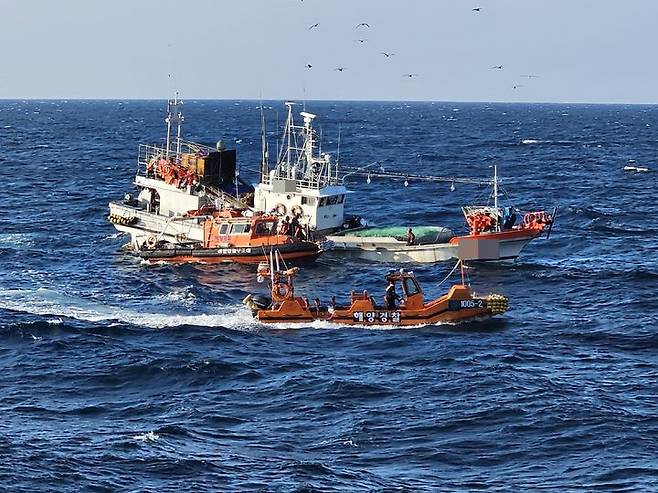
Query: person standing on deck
(411, 237)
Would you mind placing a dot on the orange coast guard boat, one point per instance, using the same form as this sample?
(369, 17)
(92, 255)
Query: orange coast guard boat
(459, 304)
(229, 236)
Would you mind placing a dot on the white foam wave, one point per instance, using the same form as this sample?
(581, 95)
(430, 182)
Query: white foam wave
(51, 303)
(114, 236)
(12, 240)
(147, 437)
(183, 296)
(530, 141)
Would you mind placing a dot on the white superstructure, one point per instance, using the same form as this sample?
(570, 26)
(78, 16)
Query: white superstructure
(304, 182)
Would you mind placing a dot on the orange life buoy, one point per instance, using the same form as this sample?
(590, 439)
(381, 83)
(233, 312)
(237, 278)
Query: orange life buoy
(280, 291)
(280, 209)
(297, 211)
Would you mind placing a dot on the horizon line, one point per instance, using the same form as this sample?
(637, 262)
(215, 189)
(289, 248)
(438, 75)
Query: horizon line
(321, 100)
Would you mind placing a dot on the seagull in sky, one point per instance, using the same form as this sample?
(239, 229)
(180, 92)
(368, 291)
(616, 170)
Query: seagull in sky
(387, 55)
(309, 66)
(516, 86)
(339, 69)
(497, 67)
(530, 76)
(360, 41)
(410, 75)
(362, 24)
(313, 26)
(477, 9)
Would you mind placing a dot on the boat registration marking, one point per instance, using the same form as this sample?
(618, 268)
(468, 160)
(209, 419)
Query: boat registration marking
(233, 251)
(378, 317)
(466, 304)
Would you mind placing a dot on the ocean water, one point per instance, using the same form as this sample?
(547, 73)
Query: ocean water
(118, 376)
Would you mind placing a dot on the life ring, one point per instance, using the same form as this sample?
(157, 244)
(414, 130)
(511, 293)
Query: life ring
(151, 241)
(529, 218)
(181, 237)
(280, 209)
(280, 291)
(297, 211)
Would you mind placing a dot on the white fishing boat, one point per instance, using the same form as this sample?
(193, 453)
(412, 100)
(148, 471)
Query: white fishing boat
(391, 245)
(177, 185)
(493, 235)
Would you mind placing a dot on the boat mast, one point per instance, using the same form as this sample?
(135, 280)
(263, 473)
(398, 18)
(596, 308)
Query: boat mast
(179, 121)
(287, 136)
(264, 164)
(168, 120)
(308, 119)
(179, 117)
(495, 192)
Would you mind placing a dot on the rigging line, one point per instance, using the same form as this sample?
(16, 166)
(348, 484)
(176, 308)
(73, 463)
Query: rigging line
(450, 273)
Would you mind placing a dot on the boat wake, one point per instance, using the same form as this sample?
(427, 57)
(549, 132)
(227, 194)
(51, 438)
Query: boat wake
(50, 303)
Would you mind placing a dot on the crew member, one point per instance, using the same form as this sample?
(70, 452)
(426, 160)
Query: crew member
(295, 228)
(411, 237)
(509, 218)
(285, 226)
(391, 296)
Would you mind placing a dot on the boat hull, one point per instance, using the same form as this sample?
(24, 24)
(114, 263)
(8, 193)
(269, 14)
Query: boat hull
(303, 251)
(503, 246)
(141, 225)
(391, 251)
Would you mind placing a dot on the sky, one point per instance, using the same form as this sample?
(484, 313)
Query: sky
(589, 51)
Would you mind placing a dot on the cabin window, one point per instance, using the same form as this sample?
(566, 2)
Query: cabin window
(410, 286)
(240, 228)
(263, 228)
(323, 201)
(332, 200)
(308, 200)
(223, 229)
(341, 199)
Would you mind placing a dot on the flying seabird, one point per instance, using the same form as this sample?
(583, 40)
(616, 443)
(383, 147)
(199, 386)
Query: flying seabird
(313, 26)
(387, 54)
(516, 86)
(409, 75)
(339, 69)
(530, 76)
(497, 67)
(362, 24)
(309, 66)
(477, 9)
(360, 41)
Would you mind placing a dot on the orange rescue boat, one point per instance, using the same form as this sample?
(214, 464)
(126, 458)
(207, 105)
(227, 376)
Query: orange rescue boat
(230, 236)
(459, 304)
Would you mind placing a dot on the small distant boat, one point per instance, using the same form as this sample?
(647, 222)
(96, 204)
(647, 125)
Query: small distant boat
(631, 166)
(229, 236)
(459, 304)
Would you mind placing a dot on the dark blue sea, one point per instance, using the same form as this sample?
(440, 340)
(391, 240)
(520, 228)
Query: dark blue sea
(116, 376)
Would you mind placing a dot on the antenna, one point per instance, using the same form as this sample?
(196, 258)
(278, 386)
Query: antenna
(338, 151)
(495, 192)
(168, 121)
(264, 164)
(179, 121)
